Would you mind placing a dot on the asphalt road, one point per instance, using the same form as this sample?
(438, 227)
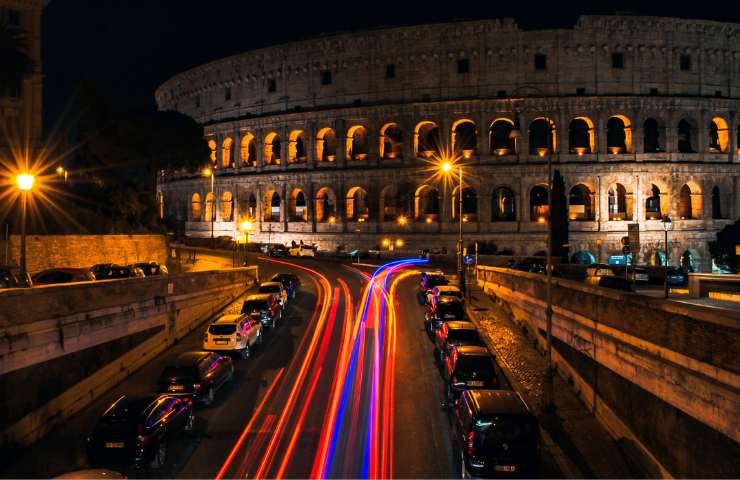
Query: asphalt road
(345, 387)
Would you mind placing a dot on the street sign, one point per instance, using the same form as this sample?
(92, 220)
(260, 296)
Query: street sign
(633, 230)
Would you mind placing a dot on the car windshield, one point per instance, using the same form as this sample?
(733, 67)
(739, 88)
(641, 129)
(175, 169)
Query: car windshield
(222, 329)
(179, 373)
(269, 289)
(254, 306)
(511, 429)
(450, 310)
(467, 337)
(475, 367)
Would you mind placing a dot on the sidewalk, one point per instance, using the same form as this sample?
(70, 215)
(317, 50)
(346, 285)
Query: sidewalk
(580, 445)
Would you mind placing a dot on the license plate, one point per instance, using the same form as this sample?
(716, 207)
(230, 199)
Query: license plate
(176, 388)
(221, 342)
(505, 468)
(114, 444)
(475, 383)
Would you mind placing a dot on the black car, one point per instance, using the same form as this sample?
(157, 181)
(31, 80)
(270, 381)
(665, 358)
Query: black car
(466, 368)
(197, 374)
(495, 434)
(455, 334)
(264, 307)
(151, 268)
(290, 281)
(10, 279)
(112, 271)
(428, 282)
(445, 309)
(63, 275)
(137, 430)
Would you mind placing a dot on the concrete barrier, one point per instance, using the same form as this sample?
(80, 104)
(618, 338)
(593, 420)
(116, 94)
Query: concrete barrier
(664, 374)
(69, 331)
(702, 284)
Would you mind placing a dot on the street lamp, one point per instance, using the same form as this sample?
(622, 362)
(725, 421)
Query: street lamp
(447, 167)
(245, 227)
(25, 184)
(207, 172)
(667, 224)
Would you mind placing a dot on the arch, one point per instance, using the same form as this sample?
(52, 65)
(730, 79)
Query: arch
(583, 257)
(619, 203)
(717, 209)
(272, 206)
(426, 139)
(249, 150)
(272, 148)
(297, 147)
(464, 136)
(499, 137)
(653, 132)
(212, 146)
(252, 206)
(357, 143)
(469, 204)
(326, 145)
(719, 135)
(618, 134)
(195, 208)
(226, 146)
(503, 205)
(689, 260)
(689, 201)
(298, 207)
(356, 208)
(542, 136)
(391, 141)
(686, 136)
(210, 207)
(227, 207)
(538, 205)
(581, 136)
(658, 258)
(654, 205)
(426, 203)
(580, 203)
(390, 207)
(326, 205)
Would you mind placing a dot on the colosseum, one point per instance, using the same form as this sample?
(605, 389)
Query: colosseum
(336, 140)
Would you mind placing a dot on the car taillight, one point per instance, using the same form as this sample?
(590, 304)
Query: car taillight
(471, 441)
(196, 387)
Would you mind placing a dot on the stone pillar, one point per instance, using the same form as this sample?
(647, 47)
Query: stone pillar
(311, 146)
(259, 144)
(407, 130)
(671, 132)
(703, 134)
(638, 134)
(732, 155)
(638, 208)
(522, 144)
(600, 125)
(340, 128)
(284, 133)
(284, 204)
(563, 132)
(373, 143)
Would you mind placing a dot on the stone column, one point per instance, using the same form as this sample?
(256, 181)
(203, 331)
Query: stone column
(259, 144)
(563, 132)
(373, 143)
(732, 155)
(600, 125)
(284, 133)
(236, 150)
(284, 204)
(311, 146)
(638, 209)
(671, 132)
(340, 128)
(703, 134)
(638, 134)
(522, 144)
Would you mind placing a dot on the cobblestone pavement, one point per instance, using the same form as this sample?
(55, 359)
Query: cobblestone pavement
(587, 449)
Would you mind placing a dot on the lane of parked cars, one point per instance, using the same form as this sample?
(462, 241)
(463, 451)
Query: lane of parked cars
(10, 278)
(494, 433)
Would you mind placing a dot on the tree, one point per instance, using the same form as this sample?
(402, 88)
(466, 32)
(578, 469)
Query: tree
(13, 57)
(723, 249)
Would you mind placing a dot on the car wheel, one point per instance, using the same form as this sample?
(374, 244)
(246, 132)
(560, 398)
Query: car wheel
(190, 424)
(244, 352)
(160, 455)
(210, 396)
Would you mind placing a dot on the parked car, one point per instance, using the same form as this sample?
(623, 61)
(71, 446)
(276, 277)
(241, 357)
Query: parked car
(443, 310)
(274, 250)
(10, 278)
(290, 282)
(455, 334)
(112, 271)
(495, 434)
(63, 275)
(263, 307)
(468, 367)
(532, 264)
(275, 288)
(428, 281)
(233, 333)
(638, 275)
(137, 429)
(152, 268)
(677, 277)
(197, 375)
(301, 251)
(611, 281)
(443, 291)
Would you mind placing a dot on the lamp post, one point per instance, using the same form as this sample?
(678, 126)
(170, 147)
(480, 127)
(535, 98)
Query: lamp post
(25, 184)
(208, 172)
(666, 226)
(246, 226)
(447, 167)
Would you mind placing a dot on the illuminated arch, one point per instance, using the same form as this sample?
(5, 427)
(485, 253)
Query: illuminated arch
(210, 207)
(619, 203)
(618, 134)
(719, 135)
(326, 145)
(271, 206)
(297, 147)
(499, 137)
(298, 207)
(503, 205)
(248, 150)
(356, 208)
(390, 205)
(689, 201)
(543, 136)
(581, 136)
(226, 146)
(195, 208)
(212, 146)
(655, 204)
(426, 203)
(326, 205)
(580, 203)
(272, 149)
(538, 207)
(391, 141)
(469, 204)
(357, 143)
(227, 207)
(426, 139)
(464, 136)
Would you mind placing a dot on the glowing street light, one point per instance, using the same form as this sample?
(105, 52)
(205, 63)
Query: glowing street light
(25, 181)
(25, 184)
(402, 220)
(246, 227)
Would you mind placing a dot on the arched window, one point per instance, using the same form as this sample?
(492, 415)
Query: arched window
(195, 211)
(618, 135)
(389, 208)
(542, 137)
(581, 138)
(653, 133)
(227, 207)
(249, 151)
(469, 204)
(689, 202)
(583, 257)
(226, 152)
(426, 203)
(391, 141)
(503, 205)
(716, 203)
(357, 209)
(326, 203)
(653, 207)
(326, 145)
(538, 209)
(426, 139)
(357, 143)
(210, 207)
(580, 203)
(464, 137)
(272, 149)
(719, 135)
(620, 203)
(686, 133)
(298, 209)
(271, 210)
(252, 206)
(296, 147)
(499, 137)
(212, 146)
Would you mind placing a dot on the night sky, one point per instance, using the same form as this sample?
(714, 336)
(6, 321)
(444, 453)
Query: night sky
(129, 47)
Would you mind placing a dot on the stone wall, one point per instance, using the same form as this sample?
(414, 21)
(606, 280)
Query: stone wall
(663, 374)
(54, 251)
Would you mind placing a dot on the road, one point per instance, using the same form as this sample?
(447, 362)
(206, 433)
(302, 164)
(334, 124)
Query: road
(346, 387)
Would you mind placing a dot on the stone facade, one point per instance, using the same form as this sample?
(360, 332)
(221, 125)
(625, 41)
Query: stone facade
(335, 140)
